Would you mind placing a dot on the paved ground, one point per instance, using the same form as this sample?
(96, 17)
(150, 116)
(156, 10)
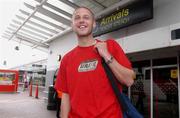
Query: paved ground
(20, 105)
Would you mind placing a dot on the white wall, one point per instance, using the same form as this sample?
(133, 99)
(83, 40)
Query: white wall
(60, 47)
(151, 34)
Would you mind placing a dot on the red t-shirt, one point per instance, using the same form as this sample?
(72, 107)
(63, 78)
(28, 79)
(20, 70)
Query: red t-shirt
(82, 76)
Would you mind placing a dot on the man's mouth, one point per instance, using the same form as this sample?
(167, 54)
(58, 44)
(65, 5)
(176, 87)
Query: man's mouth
(82, 27)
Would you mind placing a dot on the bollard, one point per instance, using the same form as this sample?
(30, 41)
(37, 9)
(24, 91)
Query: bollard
(36, 95)
(30, 91)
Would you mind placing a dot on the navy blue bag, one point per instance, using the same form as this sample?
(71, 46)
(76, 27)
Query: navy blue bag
(129, 111)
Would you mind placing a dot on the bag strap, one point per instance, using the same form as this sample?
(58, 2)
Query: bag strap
(112, 80)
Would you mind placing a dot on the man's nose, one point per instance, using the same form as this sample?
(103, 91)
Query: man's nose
(81, 20)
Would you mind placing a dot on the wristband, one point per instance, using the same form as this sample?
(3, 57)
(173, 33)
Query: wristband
(110, 60)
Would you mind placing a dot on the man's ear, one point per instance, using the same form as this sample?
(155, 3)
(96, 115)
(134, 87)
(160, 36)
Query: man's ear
(72, 25)
(94, 24)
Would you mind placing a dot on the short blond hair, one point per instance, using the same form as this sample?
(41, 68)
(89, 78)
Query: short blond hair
(93, 16)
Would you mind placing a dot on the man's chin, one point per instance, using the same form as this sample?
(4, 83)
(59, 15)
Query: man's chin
(83, 34)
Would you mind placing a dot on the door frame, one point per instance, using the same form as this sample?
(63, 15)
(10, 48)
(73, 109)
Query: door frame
(151, 81)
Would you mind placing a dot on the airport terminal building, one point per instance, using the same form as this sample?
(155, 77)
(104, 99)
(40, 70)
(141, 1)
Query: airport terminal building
(151, 40)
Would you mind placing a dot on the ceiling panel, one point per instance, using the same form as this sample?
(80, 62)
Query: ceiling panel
(41, 21)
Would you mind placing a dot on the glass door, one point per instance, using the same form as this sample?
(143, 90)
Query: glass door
(140, 92)
(165, 92)
(155, 89)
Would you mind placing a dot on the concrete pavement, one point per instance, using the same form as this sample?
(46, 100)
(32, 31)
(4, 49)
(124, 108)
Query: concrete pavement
(20, 105)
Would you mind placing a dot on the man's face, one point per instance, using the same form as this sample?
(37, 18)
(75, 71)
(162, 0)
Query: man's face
(82, 22)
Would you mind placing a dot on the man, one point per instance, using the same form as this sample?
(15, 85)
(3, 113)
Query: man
(57, 96)
(86, 92)
(58, 103)
(140, 87)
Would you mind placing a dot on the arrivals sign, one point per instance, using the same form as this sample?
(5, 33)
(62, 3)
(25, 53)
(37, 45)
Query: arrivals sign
(136, 12)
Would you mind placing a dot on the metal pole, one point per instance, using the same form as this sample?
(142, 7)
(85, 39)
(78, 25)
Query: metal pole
(178, 74)
(37, 7)
(151, 89)
(129, 92)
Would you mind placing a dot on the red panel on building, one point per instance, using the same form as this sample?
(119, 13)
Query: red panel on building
(9, 80)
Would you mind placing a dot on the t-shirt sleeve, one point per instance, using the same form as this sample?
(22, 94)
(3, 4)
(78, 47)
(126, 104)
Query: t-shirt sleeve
(118, 53)
(61, 82)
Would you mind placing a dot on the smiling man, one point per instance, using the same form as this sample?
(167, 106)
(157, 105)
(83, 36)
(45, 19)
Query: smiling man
(86, 92)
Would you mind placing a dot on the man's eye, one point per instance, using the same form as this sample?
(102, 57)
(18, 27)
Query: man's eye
(76, 18)
(86, 17)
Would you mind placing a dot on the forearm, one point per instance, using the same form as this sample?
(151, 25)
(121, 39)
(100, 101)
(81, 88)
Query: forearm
(65, 105)
(123, 74)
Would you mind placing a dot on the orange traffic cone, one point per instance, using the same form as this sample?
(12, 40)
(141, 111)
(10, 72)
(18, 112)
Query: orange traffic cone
(30, 91)
(36, 95)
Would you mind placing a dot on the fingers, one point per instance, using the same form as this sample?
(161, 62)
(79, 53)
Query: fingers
(100, 45)
(101, 48)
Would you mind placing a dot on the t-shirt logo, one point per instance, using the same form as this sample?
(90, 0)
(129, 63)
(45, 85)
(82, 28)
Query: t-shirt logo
(88, 65)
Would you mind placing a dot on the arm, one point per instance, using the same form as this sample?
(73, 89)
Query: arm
(61, 85)
(123, 74)
(65, 105)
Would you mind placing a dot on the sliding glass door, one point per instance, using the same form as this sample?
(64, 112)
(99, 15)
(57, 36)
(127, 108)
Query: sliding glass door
(155, 91)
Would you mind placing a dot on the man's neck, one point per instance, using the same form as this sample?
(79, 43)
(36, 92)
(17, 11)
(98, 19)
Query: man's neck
(86, 41)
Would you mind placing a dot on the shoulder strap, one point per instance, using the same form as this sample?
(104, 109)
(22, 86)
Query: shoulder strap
(114, 85)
